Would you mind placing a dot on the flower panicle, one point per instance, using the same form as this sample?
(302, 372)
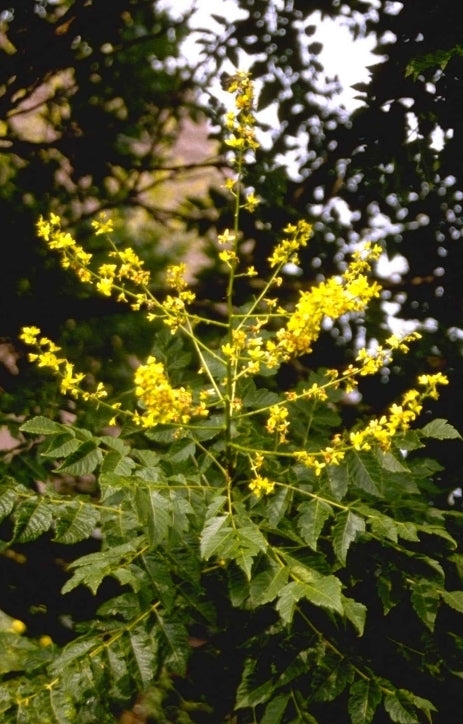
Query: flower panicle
(286, 251)
(48, 355)
(240, 122)
(109, 278)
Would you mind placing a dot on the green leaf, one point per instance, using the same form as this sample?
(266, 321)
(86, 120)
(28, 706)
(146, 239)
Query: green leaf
(382, 526)
(441, 430)
(71, 653)
(216, 538)
(83, 461)
(15, 650)
(60, 446)
(356, 612)
(175, 644)
(400, 707)
(154, 511)
(79, 523)
(440, 531)
(364, 697)
(324, 591)
(389, 596)
(114, 462)
(425, 601)
(407, 530)
(437, 59)
(8, 500)
(391, 463)
(90, 570)
(32, 518)
(249, 541)
(117, 665)
(364, 471)
(277, 505)
(125, 606)
(275, 709)
(61, 704)
(346, 529)
(338, 477)
(161, 579)
(310, 522)
(43, 426)
(144, 650)
(454, 599)
(182, 450)
(251, 691)
(337, 674)
(260, 398)
(266, 586)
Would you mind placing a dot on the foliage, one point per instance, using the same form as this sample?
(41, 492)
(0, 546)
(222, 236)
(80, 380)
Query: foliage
(255, 541)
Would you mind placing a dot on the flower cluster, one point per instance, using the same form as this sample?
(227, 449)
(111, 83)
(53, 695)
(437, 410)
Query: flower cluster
(329, 299)
(73, 256)
(382, 431)
(278, 422)
(372, 361)
(286, 251)
(47, 355)
(175, 307)
(108, 278)
(241, 122)
(261, 485)
(162, 403)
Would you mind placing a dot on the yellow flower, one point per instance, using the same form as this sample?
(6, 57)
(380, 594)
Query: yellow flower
(278, 421)
(105, 285)
(103, 225)
(261, 485)
(240, 123)
(45, 640)
(162, 403)
(29, 335)
(287, 249)
(252, 201)
(175, 277)
(330, 299)
(431, 382)
(18, 627)
(69, 381)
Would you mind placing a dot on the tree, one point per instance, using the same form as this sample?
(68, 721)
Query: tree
(380, 161)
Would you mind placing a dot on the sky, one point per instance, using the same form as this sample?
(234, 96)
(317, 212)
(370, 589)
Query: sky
(340, 55)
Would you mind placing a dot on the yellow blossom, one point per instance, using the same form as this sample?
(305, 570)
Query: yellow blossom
(175, 277)
(310, 461)
(252, 201)
(278, 422)
(70, 382)
(261, 485)
(103, 225)
(29, 335)
(330, 299)
(162, 403)
(286, 250)
(431, 382)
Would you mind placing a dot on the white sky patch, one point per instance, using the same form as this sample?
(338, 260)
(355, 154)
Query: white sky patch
(392, 269)
(341, 55)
